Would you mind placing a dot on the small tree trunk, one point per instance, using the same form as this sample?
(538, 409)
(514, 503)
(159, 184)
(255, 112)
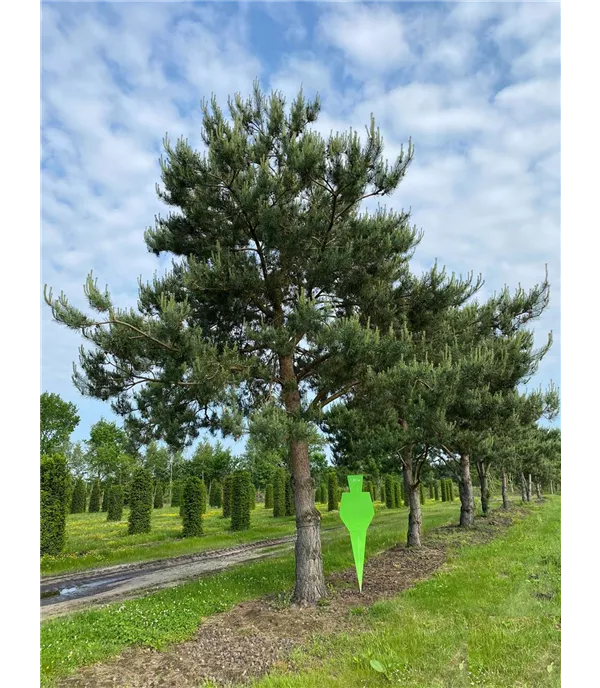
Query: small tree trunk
(504, 491)
(523, 488)
(551, 487)
(310, 582)
(465, 489)
(411, 487)
(483, 484)
(538, 491)
(529, 488)
(511, 487)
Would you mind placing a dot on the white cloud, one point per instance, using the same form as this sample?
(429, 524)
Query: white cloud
(370, 36)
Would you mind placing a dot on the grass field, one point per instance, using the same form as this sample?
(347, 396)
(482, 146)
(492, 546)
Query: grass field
(174, 614)
(490, 618)
(93, 541)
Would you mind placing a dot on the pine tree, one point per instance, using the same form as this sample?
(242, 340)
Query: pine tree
(290, 506)
(78, 497)
(194, 493)
(269, 496)
(95, 498)
(227, 486)
(269, 245)
(140, 502)
(240, 501)
(279, 493)
(115, 505)
(158, 496)
(332, 491)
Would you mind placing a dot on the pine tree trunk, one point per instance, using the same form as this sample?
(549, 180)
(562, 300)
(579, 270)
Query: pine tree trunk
(529, 488)
(523, 488)
(310, 582)
(504, 491)
(411, 487)
(465, 489)
(483, 484)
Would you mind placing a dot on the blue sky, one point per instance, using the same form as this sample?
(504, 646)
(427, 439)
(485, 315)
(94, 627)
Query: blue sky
(475, 85)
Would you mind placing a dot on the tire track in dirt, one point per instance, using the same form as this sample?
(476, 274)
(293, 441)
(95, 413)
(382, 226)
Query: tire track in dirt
(67, 593)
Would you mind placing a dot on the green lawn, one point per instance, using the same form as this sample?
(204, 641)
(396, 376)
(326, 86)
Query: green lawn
(173, 615)
(488, 618)
(93, 541)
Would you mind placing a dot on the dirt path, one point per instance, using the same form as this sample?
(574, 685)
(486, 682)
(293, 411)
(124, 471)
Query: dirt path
(68, 593)
(234, 647)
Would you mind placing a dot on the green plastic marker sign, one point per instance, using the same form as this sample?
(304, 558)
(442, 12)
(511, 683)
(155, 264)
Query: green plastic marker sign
(356, 512)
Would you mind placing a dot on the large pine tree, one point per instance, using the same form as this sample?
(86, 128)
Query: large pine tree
(275, 271)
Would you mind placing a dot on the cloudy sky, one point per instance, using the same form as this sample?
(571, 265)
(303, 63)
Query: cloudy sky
(475, 85)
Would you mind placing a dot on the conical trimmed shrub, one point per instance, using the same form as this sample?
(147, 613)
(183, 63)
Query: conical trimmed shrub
(279, 493)
(95, 498)
(269, 496)
(332, 492)
(140, 502)
(194, 498)
(227, 485)
(290, 505)
(436, 490)
(421, 493)
(390, 495)
(400, 494)
(158, 496)
(54, 492)
(240, 501)
(115, 505)
(177, 494)
(252, 495)
(216, 494)
(78, 497)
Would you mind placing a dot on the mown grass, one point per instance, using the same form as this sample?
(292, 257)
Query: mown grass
(489, 618)
(93, 541)
(173, 615)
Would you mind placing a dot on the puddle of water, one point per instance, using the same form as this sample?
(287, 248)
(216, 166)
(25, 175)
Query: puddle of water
(68, 591)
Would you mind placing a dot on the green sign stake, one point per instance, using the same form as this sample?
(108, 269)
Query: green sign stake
(356, 512)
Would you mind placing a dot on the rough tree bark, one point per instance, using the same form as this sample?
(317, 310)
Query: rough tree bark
(411, 487)
(482, 472)
(465, 489)
(523, 488)
(504, 490)
(310, 582)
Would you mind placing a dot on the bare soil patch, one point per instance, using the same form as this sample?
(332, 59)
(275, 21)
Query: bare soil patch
(254, 637)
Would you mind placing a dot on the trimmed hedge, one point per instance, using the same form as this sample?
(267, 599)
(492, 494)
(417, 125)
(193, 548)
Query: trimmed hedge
(194, 498)
(105, 487)
(177, 494)
(240, 501)
(216, 494)
(158, 496)
(115, 504)
(94, 506)
(390, 495)
(401, 496)
(290, 504)
(78, 498)
(252, 495)
(332, 492)
(54, 492)
(279, 493)
(140, 502)
(269, 496)
(227, 484)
